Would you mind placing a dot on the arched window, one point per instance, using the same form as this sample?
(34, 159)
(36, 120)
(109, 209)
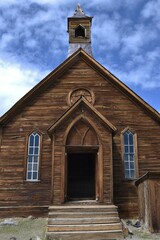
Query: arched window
(33, 157)
(129, 155)
(80, 32)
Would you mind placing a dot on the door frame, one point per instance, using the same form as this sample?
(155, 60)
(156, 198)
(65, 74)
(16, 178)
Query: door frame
(98, 169)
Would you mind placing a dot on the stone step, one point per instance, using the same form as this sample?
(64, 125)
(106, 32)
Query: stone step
(82, 220)
(84, 227)
(88, 235)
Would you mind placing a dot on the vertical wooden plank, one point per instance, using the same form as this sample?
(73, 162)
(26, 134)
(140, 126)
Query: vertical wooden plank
(150, 205)
(96, 177)
(158, 205)
(25, 158)
(146, 203)
(53, 159)
(136, 155)
(111, 169)
(66, 177)
(63, 174)
(0, 138)
(100, 174)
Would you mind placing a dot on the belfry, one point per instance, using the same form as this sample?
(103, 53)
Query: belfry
(79, 29)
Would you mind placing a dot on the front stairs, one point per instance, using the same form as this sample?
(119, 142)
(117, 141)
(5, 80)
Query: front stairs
(86, 222)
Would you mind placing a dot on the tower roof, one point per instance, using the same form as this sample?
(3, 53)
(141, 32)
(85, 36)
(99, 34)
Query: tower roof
(79, 12)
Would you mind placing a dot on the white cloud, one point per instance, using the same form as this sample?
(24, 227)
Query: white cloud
(151, 9)
(137, 38)
(6, 38)
(141, 71)
(151, 12)
(106, 33)
(15, 81)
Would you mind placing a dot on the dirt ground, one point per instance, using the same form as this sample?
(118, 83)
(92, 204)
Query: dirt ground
(34, 229)
(25, 229)
(141, 233)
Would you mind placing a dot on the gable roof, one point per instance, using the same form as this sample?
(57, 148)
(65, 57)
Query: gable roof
(61, 69)
(81, 102)
(148, 175)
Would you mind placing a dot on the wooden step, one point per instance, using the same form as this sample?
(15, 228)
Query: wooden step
(81, 214)
(84, 227)
(83, 222)
(86, 235)
(86, 208)
(87, 220)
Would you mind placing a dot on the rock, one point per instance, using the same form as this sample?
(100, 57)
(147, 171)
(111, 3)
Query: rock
(137, 224)
(130, 231)
(129, 222)
(8, 222)
(38, 238)
(31, 217)
(13, 238)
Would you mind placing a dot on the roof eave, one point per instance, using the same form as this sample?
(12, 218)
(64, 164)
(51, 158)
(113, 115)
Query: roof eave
(107, 74)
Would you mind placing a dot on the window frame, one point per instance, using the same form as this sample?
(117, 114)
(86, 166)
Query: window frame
(136, 170)
(39, 156)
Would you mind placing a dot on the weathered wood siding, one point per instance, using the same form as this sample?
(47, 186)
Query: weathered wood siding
(149, 204)
(73, 24)
(44, 109)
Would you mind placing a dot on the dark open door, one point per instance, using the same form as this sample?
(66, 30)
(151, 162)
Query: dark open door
(81, 176)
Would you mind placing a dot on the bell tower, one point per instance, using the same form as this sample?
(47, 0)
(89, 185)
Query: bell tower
(79, 29)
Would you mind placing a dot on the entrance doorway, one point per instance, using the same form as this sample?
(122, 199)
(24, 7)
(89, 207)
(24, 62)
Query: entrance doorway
(81, 176)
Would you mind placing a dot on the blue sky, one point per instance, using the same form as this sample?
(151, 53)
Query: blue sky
(33, 41)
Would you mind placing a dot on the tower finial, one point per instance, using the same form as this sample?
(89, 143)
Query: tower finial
(79, 12)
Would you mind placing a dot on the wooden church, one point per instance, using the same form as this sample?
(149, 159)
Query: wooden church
(73, 147)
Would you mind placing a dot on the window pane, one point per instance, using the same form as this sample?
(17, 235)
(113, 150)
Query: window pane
(132, 165)
(35, 167)
(30, 150)
(125, 139)
(126, 165)
(131, 139)
(125, 157)
(35, 175)
(29, 175)
(126, 173)
(37, 140)
(126, 149)
(132, 173)
(35, 159)
(131, 149)
(132, 157)
(29, 167)
(29, 159)
(36, 151)
(31, 142)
